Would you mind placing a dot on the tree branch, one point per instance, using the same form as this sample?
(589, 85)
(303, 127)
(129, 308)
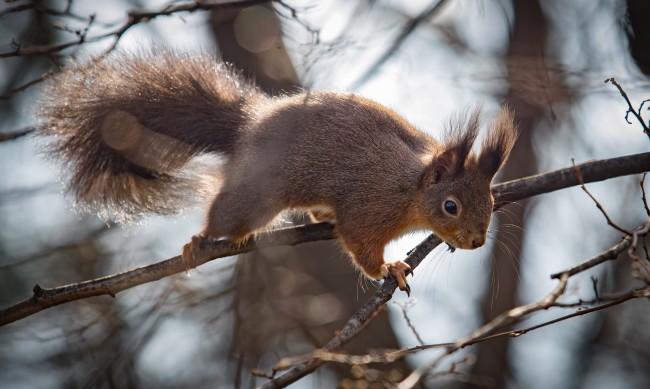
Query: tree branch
(111, 285)
(593, 171)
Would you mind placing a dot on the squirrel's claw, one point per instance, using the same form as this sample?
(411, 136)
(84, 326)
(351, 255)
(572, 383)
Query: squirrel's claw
(191, 251)
(399, 270)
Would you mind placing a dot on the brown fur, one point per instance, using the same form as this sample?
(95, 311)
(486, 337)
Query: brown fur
(129, 124)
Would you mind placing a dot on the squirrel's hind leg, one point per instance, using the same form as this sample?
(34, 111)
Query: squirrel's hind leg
(235, 215)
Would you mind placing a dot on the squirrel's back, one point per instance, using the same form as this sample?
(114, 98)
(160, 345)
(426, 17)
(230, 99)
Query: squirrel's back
(321, 145)
(127, 125)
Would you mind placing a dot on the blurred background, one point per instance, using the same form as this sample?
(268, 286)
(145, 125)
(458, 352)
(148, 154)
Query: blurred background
(425, 59)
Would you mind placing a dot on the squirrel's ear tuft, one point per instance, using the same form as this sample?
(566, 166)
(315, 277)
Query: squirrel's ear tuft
(498, 143)
(461, 134)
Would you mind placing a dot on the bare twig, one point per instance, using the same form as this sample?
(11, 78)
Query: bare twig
(633, 294)
(404, 308)
(40, 7)
(7, 95)
(640, 268)
(613, 300)
(631, 109)
(504, 319)
(598, 205)
(594, 285)
(391, 355)
(376, 356)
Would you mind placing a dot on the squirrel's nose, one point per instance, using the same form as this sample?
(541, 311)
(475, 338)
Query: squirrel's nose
(478, 242)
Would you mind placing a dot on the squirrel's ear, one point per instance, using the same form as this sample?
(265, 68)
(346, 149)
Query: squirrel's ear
(444, 165)
(440, 167)
(461, 134)
(498, 143)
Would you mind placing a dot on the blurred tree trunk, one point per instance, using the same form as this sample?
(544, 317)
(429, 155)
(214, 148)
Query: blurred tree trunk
(289, 300)
(638, 33)
(251, 39)
(532, 90)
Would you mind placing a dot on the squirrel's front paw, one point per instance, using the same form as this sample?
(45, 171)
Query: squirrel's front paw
(191, 250)
(399, 270)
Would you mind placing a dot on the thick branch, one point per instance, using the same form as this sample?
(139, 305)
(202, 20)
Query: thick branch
(111, 285)
(593, 171)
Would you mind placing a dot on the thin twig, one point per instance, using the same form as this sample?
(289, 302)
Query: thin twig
(609, 254)
(598, 205)
(640, 268)
(404, 308)
(391, 355)
(631, 109)
(7, 95)
(633, 294)
(509, 317)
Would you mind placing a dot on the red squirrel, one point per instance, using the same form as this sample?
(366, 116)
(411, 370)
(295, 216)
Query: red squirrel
(128, 125)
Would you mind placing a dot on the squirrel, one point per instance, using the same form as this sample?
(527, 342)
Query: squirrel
(128, 126)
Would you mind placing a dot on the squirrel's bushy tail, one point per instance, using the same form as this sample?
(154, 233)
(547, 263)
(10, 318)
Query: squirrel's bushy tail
(128, 125)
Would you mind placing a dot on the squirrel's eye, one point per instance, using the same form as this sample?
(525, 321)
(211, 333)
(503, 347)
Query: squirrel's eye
(450, 207)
